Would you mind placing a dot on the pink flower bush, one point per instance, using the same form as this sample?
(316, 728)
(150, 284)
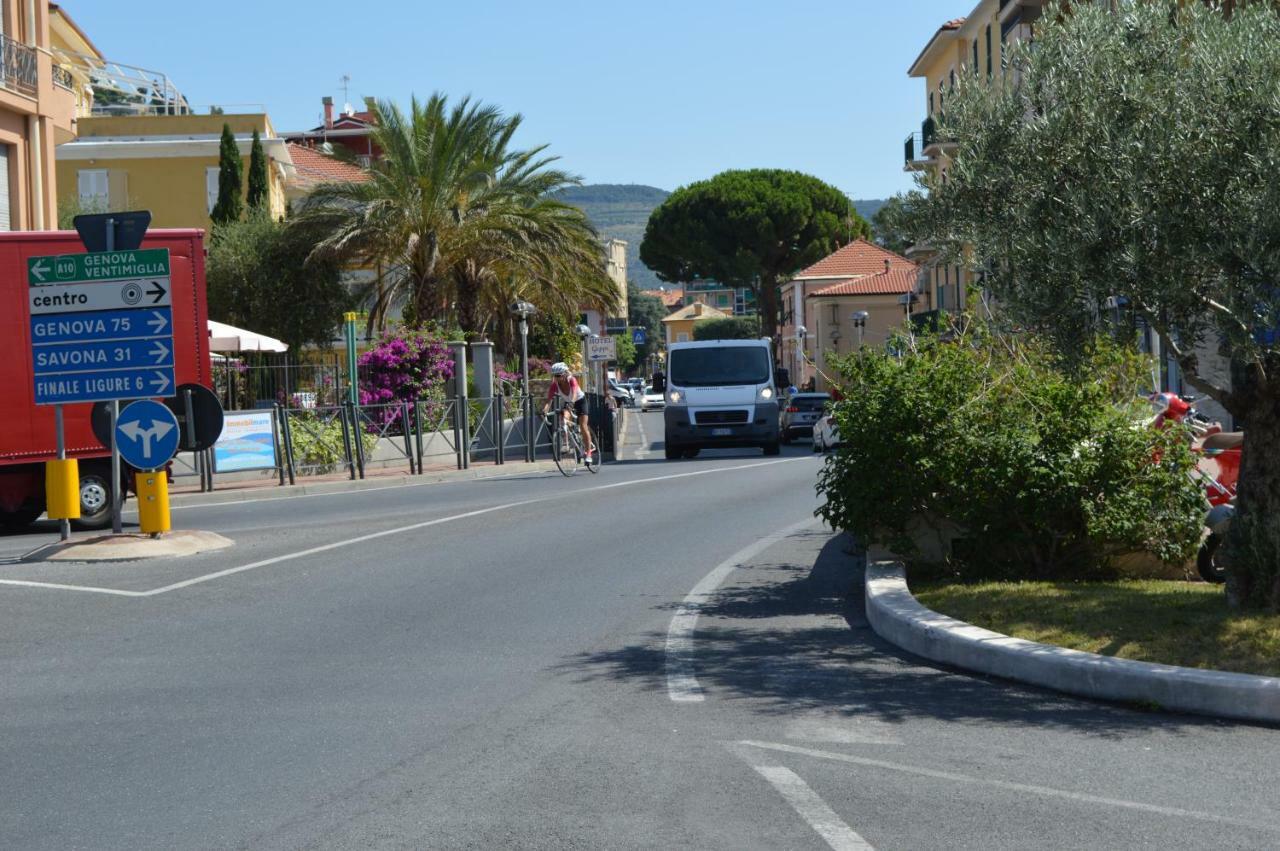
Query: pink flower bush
(408, 365)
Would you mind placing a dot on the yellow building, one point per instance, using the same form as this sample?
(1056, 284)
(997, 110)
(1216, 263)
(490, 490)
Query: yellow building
(679, 325)
(167, 164)
(972, 46)
(38, 109)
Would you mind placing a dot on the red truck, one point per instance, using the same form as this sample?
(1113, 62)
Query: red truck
(27, 436)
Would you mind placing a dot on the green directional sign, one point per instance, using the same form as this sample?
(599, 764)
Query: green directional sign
(98, 266)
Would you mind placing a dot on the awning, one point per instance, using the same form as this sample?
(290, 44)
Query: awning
(228, 338)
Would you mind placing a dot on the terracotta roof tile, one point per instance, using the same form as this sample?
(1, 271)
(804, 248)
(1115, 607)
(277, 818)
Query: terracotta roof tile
(894, 282)
(954, 24)
(856, 259)
(313, 167)
(670, 298)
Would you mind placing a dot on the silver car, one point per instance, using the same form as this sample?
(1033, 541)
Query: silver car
(801, 413)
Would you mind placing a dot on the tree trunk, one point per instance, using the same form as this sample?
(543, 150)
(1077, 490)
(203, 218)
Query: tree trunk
(1253, 544)
(468, 290)
(767, 305)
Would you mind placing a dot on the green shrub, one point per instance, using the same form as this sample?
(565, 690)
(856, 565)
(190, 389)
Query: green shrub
(317, 441)
(727, 328)
(1045, 470)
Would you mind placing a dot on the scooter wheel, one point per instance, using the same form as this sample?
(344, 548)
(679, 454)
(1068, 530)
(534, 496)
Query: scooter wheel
(1208, 564)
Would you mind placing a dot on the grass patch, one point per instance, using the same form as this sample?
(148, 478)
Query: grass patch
(1174, 623)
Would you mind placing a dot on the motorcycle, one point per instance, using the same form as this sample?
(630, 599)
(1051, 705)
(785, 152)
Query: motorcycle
(1217, 473)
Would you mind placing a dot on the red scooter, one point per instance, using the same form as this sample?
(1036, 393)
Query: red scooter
(1217, 472)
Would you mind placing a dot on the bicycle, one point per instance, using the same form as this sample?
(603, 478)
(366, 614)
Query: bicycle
(566, 442)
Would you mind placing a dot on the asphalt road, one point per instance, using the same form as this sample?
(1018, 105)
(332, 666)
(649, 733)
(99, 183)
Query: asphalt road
(642, 658)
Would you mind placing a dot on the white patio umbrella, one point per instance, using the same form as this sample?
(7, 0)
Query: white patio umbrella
(228, 338)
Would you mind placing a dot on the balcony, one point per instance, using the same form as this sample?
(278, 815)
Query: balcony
(18, 67)
(913, 153)
(933, 140)
(62, 77)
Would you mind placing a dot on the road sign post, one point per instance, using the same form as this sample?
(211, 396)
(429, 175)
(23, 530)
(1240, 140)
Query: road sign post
(102, 329)
(148, 436)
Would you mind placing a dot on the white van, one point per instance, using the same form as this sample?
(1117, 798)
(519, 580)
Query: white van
(720, 393)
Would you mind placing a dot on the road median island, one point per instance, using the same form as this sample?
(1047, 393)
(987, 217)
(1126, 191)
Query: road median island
(109, 548)
(897, 616)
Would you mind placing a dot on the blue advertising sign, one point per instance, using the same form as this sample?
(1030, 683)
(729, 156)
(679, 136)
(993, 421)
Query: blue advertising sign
(638, 336)
(101, 326)
(147, 434)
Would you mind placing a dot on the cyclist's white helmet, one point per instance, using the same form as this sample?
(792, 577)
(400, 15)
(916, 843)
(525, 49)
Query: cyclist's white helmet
(559, 368)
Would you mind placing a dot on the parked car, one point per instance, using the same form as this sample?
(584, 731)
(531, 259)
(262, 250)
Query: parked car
(636, 385)
(803, 410)
(826, 434)
(621, 394)
(652, 400)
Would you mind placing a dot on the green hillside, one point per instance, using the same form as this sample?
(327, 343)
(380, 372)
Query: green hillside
(621, 210)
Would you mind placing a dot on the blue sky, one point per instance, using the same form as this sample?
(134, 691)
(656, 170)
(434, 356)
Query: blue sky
(649, 91)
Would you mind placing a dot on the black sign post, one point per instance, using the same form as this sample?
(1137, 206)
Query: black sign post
(113, 231)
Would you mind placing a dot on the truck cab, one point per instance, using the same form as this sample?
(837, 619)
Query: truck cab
(720, 393)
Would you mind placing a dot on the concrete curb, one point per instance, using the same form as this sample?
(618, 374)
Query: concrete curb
(898, 617)
(348, 485)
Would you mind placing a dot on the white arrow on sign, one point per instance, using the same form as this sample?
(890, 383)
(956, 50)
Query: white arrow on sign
(160, 383)
(39, 269)
(135, 432)
(157, 324)
(160, 352)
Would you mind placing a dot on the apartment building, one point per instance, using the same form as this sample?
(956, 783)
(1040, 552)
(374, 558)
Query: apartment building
(40, 101)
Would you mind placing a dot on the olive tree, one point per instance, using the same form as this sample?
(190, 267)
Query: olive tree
(1133, 153)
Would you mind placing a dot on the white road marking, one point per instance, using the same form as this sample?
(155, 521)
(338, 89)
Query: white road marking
(1046, 791)
(53, 586)
(839, 728)
(682, 684)
(806, 802)
(644, 437)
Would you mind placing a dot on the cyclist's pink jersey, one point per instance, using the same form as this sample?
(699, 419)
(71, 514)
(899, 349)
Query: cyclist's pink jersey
(574, 394)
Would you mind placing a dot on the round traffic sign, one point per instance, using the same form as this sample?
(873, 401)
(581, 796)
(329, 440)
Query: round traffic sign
(100, 420)
(147, 435)
(206, 416)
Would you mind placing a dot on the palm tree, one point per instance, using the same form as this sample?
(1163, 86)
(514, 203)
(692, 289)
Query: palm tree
(450, 210)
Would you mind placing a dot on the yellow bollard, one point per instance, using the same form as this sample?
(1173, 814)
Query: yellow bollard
(62, 489)
(153, 502)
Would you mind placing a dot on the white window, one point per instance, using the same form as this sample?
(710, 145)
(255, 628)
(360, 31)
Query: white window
(682, 337)
(211, 186)
(93, 189)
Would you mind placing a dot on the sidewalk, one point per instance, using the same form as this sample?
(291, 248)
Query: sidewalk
(269, 487)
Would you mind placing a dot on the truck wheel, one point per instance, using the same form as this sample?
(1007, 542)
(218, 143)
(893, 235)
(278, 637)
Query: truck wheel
(95, 498)
(692, 452)
(772, 448)
(673, 452)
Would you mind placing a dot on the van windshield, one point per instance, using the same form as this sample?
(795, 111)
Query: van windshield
(719, 366)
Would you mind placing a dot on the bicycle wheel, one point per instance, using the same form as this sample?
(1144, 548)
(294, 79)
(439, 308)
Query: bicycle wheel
(563, 453)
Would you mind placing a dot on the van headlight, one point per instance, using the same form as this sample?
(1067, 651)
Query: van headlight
(674, 397)
(765, 394)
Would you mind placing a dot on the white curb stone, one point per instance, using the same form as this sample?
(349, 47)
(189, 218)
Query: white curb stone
(898, 617)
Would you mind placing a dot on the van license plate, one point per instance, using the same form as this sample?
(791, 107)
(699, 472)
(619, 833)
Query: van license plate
(721, 432)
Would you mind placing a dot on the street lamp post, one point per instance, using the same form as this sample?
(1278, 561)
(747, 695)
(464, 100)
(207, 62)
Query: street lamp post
(524, 310)
(801, 333)
(584, 334)
(860, 322)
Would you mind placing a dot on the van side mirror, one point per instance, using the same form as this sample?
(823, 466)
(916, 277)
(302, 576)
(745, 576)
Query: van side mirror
(660, 383)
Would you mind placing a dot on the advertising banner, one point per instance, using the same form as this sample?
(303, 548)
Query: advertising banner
(247, 442)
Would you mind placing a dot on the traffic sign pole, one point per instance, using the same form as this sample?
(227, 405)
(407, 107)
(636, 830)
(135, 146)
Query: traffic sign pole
(117, 525)
(64, 524)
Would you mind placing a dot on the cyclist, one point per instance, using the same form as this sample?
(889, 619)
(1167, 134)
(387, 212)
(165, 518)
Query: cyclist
(565, 387)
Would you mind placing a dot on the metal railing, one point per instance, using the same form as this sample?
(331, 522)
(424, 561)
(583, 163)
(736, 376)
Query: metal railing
(62, 77)
(18, 66)
(913, 150)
